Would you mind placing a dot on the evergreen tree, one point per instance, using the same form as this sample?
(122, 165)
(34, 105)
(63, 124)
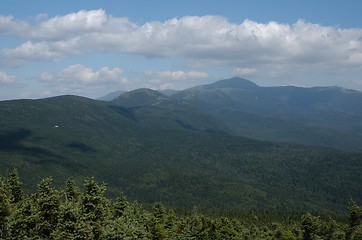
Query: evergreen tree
(72, 214)
(47, 203)
(71, 225)
(94, 206)
(72, 192)
(120, 206)
(5, 205)
(355, 222)
(24, 220)
(135, 223)
(16, 186)
(329, 229)
(159, 216)
(198, 226)
(310, 226)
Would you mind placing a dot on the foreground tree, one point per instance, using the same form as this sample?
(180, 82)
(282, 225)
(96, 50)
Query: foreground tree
(72, 213)
(16, 186)
(48, 201)
(355, 222)
(5, 206)
(94, 206)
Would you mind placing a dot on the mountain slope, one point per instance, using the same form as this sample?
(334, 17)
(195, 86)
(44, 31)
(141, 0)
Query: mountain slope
(111, 96)
(325, 116)
(180, 168)
(156, 110)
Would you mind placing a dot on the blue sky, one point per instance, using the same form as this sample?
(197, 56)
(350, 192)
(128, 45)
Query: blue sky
(91, 48)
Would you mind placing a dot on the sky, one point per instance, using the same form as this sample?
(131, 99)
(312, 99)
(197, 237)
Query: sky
(91, 48)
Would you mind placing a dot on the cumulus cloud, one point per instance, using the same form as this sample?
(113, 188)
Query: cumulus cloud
(174, 79)
(46, 77)
(13, 27)
(79, 74)
(81, 80)
(203, 40)
(56, 28)
(244, 71)
(28, 52)
(176, 75)
(6, 79)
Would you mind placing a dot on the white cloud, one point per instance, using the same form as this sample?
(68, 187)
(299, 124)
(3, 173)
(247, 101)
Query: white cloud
(28, 52)
(81, 80)
(79, 74)
(243, 72)
(70, 25)
(176, 75)
(7, 79)
(41, 17)
(203, 40)
(56, 28)
(12, 27)
(46, 77)
(174, 79)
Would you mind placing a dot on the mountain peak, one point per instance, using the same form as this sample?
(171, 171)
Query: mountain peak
(234, 82)
(140, 97)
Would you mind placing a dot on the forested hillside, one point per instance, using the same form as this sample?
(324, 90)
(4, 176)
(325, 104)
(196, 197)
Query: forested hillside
(71, 212)
(76, 137)
(153, 109)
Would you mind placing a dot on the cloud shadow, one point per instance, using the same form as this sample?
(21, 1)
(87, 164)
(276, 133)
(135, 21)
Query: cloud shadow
(11, 141)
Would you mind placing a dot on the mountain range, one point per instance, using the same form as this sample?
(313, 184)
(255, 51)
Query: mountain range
(321, 116)
(187, 149)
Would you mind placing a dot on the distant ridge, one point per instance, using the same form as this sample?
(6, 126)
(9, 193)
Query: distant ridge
(234, 82)
(323, 116)
(156, 110)
(111, 96)
(139, 97)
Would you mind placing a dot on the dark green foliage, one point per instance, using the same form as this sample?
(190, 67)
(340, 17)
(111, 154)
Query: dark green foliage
(94, 206)
(156, 110)
(71, 213)
(47, 207)
(16, 186)
(120, 205)
(179, 168)
(355, 222)
(310, 226)
(24, 221)
(71, 191)
(313, 227)
(5, 206)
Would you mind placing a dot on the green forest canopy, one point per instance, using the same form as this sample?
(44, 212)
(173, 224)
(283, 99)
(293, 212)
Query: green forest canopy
(72, 212)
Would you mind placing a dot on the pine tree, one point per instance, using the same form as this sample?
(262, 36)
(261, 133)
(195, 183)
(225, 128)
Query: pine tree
(310, 226)
(71, 225)
(135, 223)
(24, 220)
(48, 203)
(159, 216)
(198, 225)
(5, 205)
(120, 206)
(355, 222)
(94, 206)
(71, 192)
(16, 186)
